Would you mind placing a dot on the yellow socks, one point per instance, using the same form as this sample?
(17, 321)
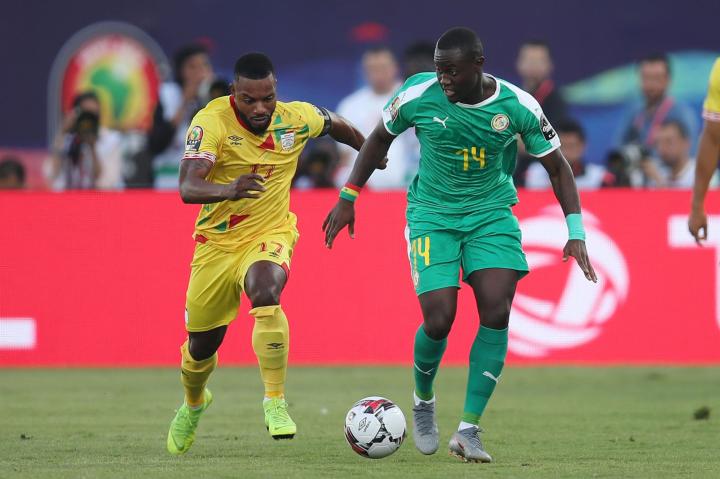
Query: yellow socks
(195, 375)
(271, 341)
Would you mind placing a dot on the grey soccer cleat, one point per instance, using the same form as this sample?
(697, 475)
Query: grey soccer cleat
(425, 430)
(467, 446)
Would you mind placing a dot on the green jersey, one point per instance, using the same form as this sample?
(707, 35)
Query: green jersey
(468, 152)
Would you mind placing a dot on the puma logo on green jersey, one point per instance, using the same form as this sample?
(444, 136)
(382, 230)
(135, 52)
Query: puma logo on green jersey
(442, 122)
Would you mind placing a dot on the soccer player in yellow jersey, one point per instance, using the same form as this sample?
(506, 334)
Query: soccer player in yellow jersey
(240, 157)
(707, 157)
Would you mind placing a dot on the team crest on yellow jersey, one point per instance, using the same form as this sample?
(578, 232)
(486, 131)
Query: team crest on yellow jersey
(287, 140)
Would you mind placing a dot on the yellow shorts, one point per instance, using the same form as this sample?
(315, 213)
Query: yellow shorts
(217, 278)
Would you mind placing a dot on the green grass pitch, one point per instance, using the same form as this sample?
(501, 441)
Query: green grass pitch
(541, 423)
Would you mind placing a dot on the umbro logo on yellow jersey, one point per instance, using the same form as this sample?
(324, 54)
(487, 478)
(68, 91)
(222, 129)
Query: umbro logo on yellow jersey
(235, 140)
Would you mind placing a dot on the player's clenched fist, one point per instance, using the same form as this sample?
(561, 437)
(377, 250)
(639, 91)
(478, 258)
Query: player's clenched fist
(244, 186)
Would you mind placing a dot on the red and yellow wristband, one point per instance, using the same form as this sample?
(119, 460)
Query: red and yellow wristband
(350, 192)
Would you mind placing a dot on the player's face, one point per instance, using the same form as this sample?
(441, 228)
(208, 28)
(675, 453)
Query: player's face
(255, 101)
(457, 74)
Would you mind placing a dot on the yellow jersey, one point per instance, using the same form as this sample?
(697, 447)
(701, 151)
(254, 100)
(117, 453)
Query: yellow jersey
(711, 107)
(218, 134)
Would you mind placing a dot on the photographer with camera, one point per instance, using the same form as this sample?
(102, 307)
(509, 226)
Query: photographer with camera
(84, 154)
(178, 102)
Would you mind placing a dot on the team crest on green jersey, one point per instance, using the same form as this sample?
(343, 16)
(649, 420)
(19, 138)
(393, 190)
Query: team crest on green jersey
(500, 122)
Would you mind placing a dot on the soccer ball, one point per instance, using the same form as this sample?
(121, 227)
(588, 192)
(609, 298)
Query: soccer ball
(375, 427)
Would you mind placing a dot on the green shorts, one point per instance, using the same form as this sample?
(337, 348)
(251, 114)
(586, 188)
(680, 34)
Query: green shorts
(440, 246)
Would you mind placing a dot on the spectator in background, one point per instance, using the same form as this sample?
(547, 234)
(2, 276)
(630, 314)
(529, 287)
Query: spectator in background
(419, 57)
(177, 104)
(218, 88)
(618, 171)
(363, 108)
(534, 65)
(85, 154)
(644, 120)
(316, 168)
(12, 174)
(572, 137)
(673, 167)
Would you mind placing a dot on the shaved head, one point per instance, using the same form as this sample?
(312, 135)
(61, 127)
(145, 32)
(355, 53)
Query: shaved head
(463, 39)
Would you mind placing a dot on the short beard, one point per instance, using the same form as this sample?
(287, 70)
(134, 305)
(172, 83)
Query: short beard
(250, 126)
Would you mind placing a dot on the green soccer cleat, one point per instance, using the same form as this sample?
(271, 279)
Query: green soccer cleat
(182, 428)
(277, 419)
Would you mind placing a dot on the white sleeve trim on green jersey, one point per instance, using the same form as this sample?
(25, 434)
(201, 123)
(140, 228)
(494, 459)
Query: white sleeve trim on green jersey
(525, 99)
(404, 97)
(387, 128)
(548, 151)
(532, 105)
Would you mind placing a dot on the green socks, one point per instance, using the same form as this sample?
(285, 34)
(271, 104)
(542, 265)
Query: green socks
(487, 358)
(427, 356)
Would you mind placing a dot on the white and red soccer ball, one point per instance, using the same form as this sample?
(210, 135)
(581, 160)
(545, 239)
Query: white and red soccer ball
(375, 427)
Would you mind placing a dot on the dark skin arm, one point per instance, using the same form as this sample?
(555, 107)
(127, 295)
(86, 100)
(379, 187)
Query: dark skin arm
(342, 131)
(563, 183)
(372, 156)
(707, 162)
(345, 132)
(194, 188)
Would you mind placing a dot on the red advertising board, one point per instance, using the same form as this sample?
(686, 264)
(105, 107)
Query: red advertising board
(100, 278)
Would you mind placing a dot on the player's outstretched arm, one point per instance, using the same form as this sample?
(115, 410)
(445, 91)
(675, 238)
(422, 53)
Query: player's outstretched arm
(194, 188)
(563, 183)
(343, 131)
(707, 163)
(371, 156)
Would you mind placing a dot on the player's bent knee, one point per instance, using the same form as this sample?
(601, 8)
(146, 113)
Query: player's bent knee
(264, 284)
(203, 345)
(201, 352)
(268, 296)
(496, 317)
(438, 327)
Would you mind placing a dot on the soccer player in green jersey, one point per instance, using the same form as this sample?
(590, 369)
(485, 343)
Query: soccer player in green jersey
(459, 216)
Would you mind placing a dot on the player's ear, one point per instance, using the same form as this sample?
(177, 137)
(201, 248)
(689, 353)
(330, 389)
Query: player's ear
(479, 61)
(232, 88)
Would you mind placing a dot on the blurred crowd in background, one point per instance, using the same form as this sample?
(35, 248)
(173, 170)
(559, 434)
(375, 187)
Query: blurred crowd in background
(653, 149)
